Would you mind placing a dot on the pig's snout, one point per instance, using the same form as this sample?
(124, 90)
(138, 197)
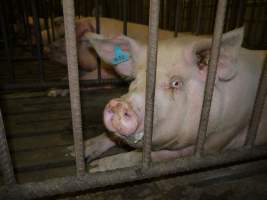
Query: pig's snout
(119, 117)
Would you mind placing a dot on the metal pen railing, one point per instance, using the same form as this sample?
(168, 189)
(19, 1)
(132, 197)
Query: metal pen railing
(148, 169)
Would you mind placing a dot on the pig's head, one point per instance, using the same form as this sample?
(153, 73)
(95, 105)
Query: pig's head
(181, 75)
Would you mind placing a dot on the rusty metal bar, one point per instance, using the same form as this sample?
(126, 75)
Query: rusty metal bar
(73, 74)
(52, 16)
(240, 13)
(199, 16)
(258, 108)
(46, 20)
(177, 13)
(6, 43)
(125, 19)
(97, 18)
(38, 36)
(151, 79)
(5, 159)
(212, 68)
(101, 179)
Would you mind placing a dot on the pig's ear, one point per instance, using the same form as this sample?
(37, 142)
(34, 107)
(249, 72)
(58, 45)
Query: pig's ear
(229, 52)
(122, 52)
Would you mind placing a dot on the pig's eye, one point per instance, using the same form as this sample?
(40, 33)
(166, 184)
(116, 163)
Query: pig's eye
(175, 83)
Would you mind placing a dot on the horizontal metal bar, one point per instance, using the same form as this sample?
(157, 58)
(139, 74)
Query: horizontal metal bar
(60, 84)
(101, 179)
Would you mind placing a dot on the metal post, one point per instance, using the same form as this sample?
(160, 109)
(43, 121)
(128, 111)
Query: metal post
(258, 108)
(125, 8)
(46, 18)
(97, 18)
(6, 43)
(73, 74)
(5, 160)
(38, 36)
(51, 15)
(212, 68)
(199, 16)
(177, 13)
(151, 79)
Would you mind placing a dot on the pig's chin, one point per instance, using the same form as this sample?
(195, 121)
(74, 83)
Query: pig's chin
(134, 140)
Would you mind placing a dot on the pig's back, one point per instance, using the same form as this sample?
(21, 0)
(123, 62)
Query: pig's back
(112, 27)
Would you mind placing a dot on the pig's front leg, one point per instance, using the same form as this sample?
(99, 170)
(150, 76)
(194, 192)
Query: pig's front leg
(94, 147)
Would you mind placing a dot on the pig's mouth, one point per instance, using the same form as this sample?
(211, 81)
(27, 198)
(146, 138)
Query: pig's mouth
(134, 140)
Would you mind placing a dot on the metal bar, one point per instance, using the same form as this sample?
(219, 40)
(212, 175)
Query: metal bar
(177, 13)
(73, 74)
(125, 9)
(6, 43)
(60, 84)
(28, 31)
(46, 20)
(212, 68)
(199, 16)
(240, 13)
(5, 164)
(51, 13)
(150, 79)
(258, 108)
(101, 179)
(97, 18)
(38, 36)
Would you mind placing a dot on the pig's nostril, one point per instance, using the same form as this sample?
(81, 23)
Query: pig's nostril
(126, 115)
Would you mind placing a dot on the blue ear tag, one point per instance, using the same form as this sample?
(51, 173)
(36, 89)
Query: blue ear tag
(119, 56)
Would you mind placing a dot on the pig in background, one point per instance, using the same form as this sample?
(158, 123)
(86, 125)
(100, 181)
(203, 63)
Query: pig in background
(109, 28)
(181, 75)
(87, 58)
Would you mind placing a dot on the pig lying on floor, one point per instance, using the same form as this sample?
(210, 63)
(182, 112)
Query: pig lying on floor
(181, 74)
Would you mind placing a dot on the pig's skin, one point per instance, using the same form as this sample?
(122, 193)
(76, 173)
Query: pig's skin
(177, 109)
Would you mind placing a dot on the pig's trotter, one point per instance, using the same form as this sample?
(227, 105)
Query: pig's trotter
(94, 147)
(128, 159)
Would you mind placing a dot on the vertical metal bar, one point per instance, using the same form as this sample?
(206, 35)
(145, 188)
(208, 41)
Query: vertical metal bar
(37, 33)
(212, 68)
(73, 74)
(199, 16)
(125, 8)
(240, 13)
(28, 30)
(5, 164)
(258, 108)
(97, 18)
(150, 79)
(46, 20)
(52, 16)
(6, 43)
(177, 12)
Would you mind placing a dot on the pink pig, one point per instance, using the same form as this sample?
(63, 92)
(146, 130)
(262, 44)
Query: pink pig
(181, 74)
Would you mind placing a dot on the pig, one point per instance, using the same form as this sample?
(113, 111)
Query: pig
(109, 28)
(181, 75)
